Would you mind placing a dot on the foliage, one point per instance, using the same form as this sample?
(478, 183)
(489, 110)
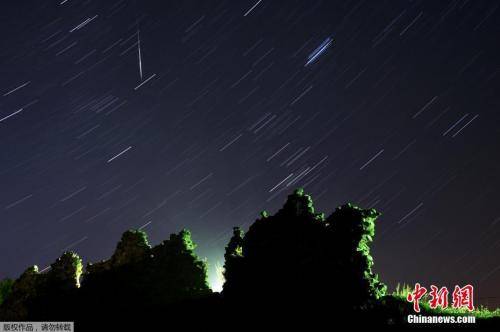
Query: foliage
(35, 294)
(65, 272)
(133, 247)
(297, 255)
(23, 290)
(232, 258)
(137, 274)
(352, 230)
(296, 261)
(5, 288)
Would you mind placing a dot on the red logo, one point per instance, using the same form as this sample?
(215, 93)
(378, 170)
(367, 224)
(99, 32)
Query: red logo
(462, 297)
(439, 298)
(415, 296)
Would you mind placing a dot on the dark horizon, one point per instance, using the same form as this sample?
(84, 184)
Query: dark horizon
(231, 105)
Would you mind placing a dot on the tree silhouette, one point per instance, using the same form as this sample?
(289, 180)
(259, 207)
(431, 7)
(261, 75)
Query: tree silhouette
(352, 230)
(295, 265)
(17, 305)
(177, 270)
(65, 272)
(232, 259)
(133, 247)
(157, 276)
(5, 288)
(135, 280)
(38, 295)
(297, 256)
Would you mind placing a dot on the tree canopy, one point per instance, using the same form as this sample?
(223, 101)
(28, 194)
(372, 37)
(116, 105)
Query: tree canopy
(298, 255)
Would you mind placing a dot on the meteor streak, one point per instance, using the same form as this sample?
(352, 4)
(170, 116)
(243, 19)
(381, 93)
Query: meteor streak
(314, 55)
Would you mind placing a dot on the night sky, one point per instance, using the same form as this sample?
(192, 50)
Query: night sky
(162, 115)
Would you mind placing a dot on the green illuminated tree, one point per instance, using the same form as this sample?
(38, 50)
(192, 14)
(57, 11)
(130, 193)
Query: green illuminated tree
(232, 258)
(37, 296)
(177, 270)
(134, 281)
(298, 256)
(151, 276)
(352, 229)
(65, 272)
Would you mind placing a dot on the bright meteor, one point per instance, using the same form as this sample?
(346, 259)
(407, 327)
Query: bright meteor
(314, 55)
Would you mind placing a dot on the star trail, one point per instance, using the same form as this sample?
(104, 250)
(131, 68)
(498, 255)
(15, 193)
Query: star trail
(200, 114)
